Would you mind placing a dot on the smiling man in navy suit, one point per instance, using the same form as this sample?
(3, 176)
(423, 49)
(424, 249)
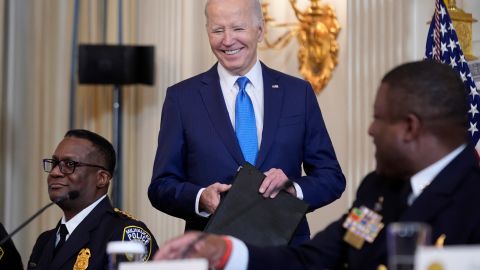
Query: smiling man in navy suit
(241, 111)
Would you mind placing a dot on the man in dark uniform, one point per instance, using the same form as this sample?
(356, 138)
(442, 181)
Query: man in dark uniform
(9, 256)
(81, 169)
(426, 172)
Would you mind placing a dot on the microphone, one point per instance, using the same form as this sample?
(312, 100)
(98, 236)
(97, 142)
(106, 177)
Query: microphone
(72, 195)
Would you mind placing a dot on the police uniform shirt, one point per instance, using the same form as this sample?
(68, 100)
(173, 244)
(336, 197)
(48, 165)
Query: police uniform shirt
(89, 233)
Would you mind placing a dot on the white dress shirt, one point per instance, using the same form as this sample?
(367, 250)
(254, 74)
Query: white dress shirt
(73, 223)
(423, 178)
(254, 90)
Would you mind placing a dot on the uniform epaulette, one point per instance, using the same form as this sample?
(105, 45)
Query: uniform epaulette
(125, 214)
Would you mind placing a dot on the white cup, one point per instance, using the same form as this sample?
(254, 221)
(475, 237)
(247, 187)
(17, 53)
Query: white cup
(124, 251)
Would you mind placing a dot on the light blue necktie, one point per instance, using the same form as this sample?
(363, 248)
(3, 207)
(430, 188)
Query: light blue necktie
(245, 126)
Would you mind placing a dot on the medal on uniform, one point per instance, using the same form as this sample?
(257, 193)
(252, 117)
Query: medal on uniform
(362, 224)
(82, 259)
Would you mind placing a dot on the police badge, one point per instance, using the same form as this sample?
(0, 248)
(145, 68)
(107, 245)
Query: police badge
(82, 259)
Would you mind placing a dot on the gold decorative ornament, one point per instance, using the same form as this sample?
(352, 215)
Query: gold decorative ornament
(462, 21)
(283, 40)
(316, 31)
(82, 259)
(318, 52)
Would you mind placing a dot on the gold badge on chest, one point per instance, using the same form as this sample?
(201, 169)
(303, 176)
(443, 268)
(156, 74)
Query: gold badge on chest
(82, 259)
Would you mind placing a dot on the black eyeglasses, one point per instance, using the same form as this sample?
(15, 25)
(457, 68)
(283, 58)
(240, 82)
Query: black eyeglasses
(66, 166)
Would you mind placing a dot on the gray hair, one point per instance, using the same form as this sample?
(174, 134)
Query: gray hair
(257, 11)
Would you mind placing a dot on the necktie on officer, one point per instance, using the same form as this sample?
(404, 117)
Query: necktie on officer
(245, 126)
(63, 235)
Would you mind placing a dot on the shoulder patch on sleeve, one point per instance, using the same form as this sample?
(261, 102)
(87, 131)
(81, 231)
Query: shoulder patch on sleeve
(139, 234)
(125, 214)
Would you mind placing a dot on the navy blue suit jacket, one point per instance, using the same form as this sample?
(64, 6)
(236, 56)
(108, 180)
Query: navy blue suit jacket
(197, 145)
(449, 204)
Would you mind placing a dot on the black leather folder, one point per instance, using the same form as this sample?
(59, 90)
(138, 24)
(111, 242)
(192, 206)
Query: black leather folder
(245, 214)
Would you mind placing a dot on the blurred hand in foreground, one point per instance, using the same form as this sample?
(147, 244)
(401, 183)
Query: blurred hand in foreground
(194, 245)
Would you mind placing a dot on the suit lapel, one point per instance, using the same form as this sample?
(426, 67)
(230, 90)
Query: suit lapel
(81, 236)
(273, 94)
(438, 194)
(214, 101)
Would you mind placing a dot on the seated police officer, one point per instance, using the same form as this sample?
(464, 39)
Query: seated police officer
(80, 171)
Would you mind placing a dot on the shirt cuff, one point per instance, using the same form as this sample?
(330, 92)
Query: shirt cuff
(197, 204)
(239, 257)
(299, 191)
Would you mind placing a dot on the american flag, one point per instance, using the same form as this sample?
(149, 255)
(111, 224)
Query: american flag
(443, 45)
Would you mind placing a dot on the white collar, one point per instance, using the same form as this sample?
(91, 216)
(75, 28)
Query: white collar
(73, 223)
(254, 75)
(423, 178)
